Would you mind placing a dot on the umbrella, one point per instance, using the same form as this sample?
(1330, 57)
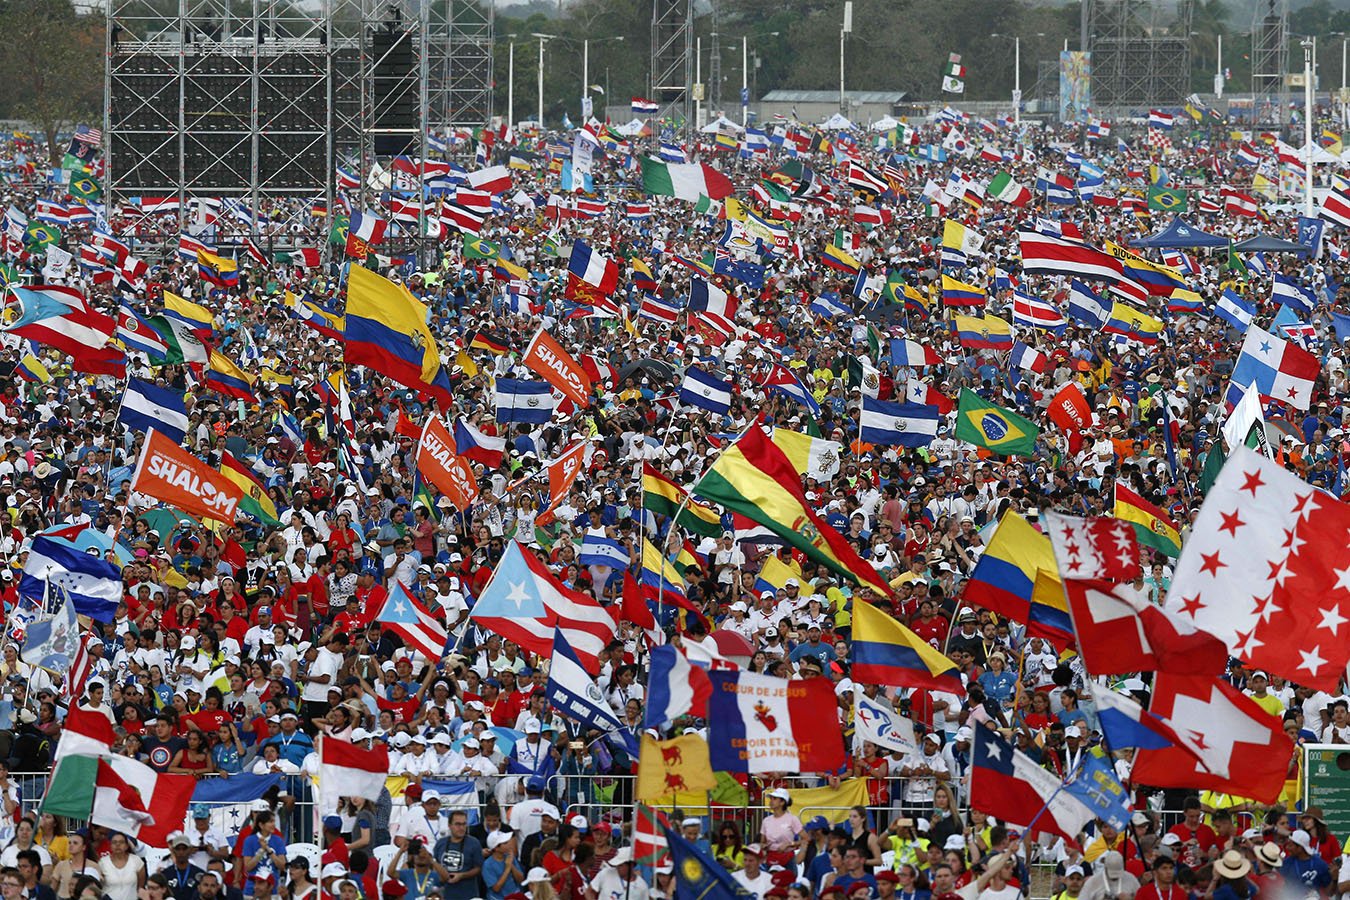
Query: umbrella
(653, 368)
(729, 643)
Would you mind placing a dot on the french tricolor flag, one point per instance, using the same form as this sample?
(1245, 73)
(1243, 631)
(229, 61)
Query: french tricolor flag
(676, 687)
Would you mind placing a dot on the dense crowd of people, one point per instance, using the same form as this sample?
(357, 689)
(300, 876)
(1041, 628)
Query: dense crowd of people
(235, 649)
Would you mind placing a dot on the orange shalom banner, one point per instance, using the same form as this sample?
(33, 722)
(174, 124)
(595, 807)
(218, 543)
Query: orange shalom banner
(437, 462)
(169, 473)
(547, 357)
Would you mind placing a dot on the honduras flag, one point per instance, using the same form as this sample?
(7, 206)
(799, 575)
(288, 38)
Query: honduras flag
(1291, 293)
(598, 550)
(573, 692)
(93, 585)
(146, 406)
(1234, 310)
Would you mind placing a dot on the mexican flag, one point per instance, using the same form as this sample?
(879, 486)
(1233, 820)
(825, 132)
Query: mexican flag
(183, 344)
(85, 732)
(684, 181)
(118, 792)
(1002, 187)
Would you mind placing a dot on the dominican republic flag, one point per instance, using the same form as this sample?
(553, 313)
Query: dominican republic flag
(573, 692)
(346, 770)
(420, 629)
(93, 584)
(146, 406)
(707, 297)
(598, 550)
(1234, 310)
(1028, 359)
(897, 424)
(676, 687)
(530, 402)
(704, 391)
(1010, 785)
(473, 444)
(644, 107)
(1292, 294)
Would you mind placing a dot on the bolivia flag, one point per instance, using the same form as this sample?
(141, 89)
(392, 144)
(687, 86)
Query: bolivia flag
(118, 792)
(256, 502)
(1151, 525)
(684, 181)
(663, 497)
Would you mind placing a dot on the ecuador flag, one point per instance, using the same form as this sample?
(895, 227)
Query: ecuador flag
(886, 652)
(1151, 525)
(754, 478)
(987, 333)
(1131, 323)
(993, 427)
(386, 330)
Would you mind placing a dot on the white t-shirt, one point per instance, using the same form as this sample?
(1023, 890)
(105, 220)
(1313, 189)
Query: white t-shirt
(609, 886)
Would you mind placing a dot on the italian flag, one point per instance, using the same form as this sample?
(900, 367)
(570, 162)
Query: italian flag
(118, 793)
(1004, 188)
(684, 181)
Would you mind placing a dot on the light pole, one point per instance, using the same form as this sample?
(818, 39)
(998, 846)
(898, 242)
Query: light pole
(1308, 44)
(542, 38)
(745, 81)
(846, 30)
(511, 82)
(1017, 74)
(586, 67)
(1218, 71)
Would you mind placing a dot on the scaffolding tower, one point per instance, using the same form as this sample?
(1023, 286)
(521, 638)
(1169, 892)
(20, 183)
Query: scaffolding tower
(1141, 53)
(672, 65)
(1270, 62)
(257, 99)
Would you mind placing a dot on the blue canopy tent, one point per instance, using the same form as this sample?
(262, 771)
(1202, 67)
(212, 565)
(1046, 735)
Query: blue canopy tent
(1181, 235)
(1264, 243)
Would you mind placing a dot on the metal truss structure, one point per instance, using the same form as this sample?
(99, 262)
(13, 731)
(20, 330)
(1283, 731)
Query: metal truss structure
(1270, 62)
(1141, 53)
(257, 99)
(672, 66)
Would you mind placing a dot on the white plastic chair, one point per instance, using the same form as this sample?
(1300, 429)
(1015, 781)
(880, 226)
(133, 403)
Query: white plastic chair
(888, 859)
(156, 858)
(383, 854)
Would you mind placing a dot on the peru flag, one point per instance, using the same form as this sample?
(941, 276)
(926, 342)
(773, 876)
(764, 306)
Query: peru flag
(765, 724)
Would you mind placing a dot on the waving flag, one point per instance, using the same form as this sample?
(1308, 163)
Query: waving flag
(386, 330)
(1006, 783)
(572, 691)
(758, 723)
(886, 652)
(418, 626)
(897, 424)
(93, 585)
(146, 406)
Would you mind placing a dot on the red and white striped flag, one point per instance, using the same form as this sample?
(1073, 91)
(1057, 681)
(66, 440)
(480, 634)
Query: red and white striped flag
(256, 252)
(81, 667)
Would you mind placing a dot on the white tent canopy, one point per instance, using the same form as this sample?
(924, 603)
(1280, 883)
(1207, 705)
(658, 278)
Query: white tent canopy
(837, 122)
(885, 123)
(632, 128)
(723, 124)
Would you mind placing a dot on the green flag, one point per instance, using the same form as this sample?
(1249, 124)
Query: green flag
(994, 428)
(895, 288)
(476, 248)
(84, 187)
(1235, 263)
(1167, 199)
(40, 236)
(1214, 461)
(338, 233)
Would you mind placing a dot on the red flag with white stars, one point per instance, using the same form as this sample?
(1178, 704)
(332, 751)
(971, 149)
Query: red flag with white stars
(1242, 746)
(1267, 571)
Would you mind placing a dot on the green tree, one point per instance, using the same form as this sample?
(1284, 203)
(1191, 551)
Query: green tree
(51, 72)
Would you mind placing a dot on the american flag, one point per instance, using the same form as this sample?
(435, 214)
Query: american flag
(86, 135)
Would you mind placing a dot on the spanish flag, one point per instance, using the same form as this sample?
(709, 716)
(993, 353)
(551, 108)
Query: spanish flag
(1152, 526)
(386, 330)
(886, 652)
(754, 478)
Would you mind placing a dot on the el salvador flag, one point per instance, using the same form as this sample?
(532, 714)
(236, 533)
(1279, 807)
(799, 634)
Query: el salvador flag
(524, 401)
(598, 550)
(706, 392)
(573, 692)
(93, 584)
(146, 406)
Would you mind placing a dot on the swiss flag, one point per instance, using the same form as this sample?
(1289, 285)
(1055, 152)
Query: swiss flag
(1267, 571)
(1119, 633)
(1242, 746)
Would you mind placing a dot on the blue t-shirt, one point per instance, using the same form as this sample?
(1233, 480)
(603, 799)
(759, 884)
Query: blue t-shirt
(492, 870)
(420, 885)
(252, 843)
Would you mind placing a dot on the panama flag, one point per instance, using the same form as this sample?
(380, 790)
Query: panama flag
(758, 723)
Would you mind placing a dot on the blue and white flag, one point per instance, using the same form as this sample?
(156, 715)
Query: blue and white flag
(1310, 234)
(598, 550)
(882, 725)
(672, 153)
(1096, 786)
(146, 406)
(530, 402)
(1289, 292)
(829, 305)
(93, 585)
(51, 642)
(704, 391)
(572, 692)
(1086, 307)
(1234, 310)
(898, 424)
(456, 794)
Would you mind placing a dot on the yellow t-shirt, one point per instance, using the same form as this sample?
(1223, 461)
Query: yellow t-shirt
(1270, 704)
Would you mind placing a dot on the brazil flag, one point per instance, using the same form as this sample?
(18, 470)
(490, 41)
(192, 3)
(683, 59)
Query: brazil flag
(475, 248)
(993, 427)
(84, 187)
(1167, 199)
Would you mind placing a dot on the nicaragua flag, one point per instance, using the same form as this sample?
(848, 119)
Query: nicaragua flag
(530, 402)
(93, 584)
(1234, 310)
(1086, 307)
(897, 424)
(146, 406)
(704, 391)
(598, 550)
(828, 305)
(573, 692)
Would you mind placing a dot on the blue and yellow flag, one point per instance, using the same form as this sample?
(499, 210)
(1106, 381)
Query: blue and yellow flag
(773, 575)
(386, 330)
(30, 368)
(224, 377)
(983, 332)
(838, 258)
(992, 427)
(886, 652)
(1130, 322)
(1004, 579)
(196, 317)
(217, 270)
